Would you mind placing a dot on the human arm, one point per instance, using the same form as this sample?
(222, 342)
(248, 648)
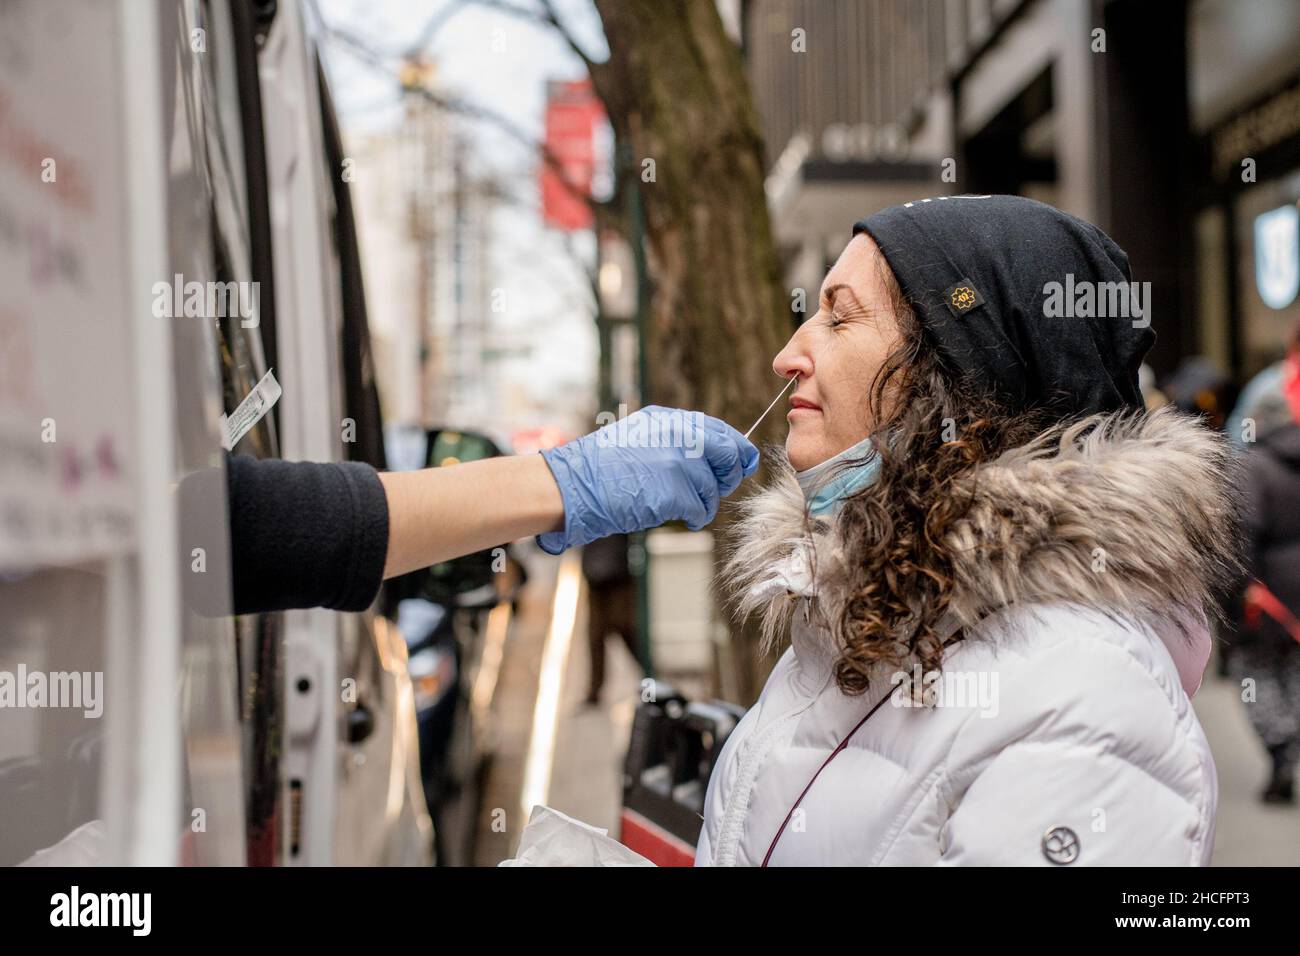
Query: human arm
(308, 534)
(446, 512)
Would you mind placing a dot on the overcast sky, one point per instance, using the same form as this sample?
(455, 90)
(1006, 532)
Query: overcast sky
(501, 62)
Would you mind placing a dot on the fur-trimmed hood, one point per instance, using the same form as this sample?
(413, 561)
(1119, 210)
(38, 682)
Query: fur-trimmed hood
(1126, 514)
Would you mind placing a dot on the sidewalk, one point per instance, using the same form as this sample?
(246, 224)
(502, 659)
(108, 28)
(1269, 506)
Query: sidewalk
(500, 816)
(587, 780)
(1248, 833)
(576, 763)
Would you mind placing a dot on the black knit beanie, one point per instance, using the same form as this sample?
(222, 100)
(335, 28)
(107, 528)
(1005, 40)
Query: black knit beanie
(1021, 299)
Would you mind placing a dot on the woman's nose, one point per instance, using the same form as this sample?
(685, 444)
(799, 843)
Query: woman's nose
(794, 358)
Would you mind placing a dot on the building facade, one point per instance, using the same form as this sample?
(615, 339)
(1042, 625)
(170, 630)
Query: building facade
(1172, 124)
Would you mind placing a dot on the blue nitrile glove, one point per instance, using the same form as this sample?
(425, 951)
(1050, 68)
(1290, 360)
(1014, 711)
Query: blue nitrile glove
(656, 465)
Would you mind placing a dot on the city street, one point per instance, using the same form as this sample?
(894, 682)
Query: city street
(417, 416)
(1249, 832)
(574, 751)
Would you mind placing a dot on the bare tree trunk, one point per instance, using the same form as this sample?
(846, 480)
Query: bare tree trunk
(676, 92)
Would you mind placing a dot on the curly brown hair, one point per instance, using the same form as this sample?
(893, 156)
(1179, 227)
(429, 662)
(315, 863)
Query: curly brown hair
(933, 429)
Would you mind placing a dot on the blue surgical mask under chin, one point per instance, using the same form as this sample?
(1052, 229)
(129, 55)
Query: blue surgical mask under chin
(825, 486)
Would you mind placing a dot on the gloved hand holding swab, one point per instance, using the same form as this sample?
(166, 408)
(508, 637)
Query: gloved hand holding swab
(794, 378)
(623, 478)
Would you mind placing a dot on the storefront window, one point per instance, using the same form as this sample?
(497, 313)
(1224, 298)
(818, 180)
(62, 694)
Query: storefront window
(1268, 237)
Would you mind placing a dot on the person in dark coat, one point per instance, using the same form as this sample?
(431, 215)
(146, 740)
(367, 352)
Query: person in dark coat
(1267, 645)
(611, 604)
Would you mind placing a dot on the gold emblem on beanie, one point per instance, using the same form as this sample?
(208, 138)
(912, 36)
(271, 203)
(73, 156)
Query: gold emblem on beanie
(962, 297)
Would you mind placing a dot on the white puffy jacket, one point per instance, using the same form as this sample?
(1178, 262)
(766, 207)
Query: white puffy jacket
(1060, 730)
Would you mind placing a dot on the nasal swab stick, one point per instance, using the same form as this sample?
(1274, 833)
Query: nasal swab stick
(794, 378)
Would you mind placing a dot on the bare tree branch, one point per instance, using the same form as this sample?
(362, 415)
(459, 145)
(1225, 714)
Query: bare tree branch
(432, 26)
(547, 17)
(363, 51)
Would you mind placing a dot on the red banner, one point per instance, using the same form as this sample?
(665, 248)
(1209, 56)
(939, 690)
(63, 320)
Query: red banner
(572, 114)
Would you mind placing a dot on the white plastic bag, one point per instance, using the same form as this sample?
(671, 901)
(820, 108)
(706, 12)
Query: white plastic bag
(553, 839)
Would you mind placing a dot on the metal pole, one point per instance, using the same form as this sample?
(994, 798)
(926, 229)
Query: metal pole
(639, 556)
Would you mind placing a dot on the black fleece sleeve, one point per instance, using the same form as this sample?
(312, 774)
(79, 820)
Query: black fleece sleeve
(305, 534)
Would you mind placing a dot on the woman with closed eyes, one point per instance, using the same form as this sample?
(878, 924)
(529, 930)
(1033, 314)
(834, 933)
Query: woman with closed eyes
(993, 566)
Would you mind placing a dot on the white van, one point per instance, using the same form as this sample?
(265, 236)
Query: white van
(173, 224)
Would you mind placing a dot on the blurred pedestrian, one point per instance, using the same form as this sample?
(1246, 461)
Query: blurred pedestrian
(1262, 404)
(1199, 387)
(611, 604)
(1266, 649)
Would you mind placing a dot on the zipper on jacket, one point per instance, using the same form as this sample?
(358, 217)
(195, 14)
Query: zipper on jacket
(737, 805)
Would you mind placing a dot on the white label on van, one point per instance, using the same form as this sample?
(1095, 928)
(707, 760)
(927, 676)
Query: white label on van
(250, 411)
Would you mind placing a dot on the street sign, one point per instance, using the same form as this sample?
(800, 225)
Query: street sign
(572, 115)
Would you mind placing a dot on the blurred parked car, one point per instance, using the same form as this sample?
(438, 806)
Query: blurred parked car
(454, 617)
